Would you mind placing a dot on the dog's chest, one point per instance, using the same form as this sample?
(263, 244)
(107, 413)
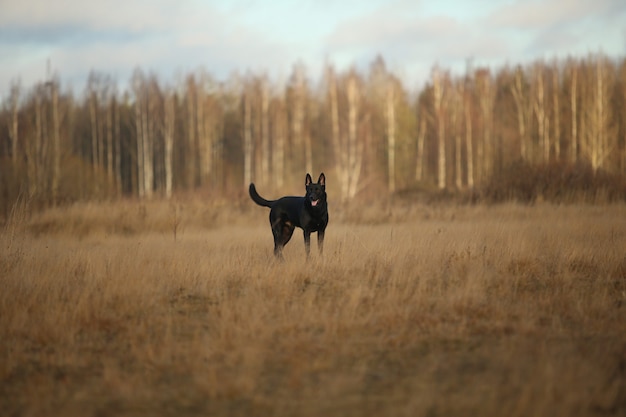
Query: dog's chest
(315, 224)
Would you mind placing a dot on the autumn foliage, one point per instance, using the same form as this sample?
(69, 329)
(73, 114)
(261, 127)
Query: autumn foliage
(367, 129)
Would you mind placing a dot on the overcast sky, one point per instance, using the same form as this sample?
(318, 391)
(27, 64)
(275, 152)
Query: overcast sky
(173, 37)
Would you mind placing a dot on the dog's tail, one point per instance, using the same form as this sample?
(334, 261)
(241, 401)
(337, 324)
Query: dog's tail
(258, 199)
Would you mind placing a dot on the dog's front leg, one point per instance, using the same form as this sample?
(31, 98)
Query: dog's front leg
(307, 242)
(320, 241)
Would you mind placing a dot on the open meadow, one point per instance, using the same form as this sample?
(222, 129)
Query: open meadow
(177, 309)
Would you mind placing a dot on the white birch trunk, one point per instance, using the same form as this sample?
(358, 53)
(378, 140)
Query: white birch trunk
(118, 148)
(189, 168)
(421, 138)
(56, 148)
(469, 143)
(247, 141)
(520, 105)
(391, 137)
(14, 124)
(110, 139)
(340, 150)
(140, 144)
(574, 114)
(486, 109)
(439, 105)
(201, 135)
(148, 146)
(280, 119)
(302, 139)
(540, 114)
(93, 110)
(354, 148)
(169, 121)
(556, 110)
(265, 133)
(458, 142)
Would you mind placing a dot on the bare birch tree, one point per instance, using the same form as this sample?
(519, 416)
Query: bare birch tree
(440, 98)
(206, 126)
(354, 148)
(301, 136)
(340, 157)
(348, 150)
(149, 115)
(522, 105)
(280, 142)
(556, 109)
(14, 134)
(111, 109)
(486, 146)
(266, 153)
(539, 107)
(391, 135)
(202, 134)
(421, 139)
(56, 142)
(36, 145)
(191, 93)
(168, 137)
(622, 115)
(469, 143)
(43, 142)
(140, 137)
(92, 91)
(599, 142)
(247, 139)
(118, 146)
(144, 135)
(573, 149)
(456, 100)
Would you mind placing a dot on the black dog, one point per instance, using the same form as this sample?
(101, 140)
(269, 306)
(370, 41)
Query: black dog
(310, 213)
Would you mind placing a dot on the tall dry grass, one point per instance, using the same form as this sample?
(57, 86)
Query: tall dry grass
(491, 311)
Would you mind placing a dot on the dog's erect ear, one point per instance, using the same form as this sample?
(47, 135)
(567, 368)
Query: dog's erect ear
(322, 179)
(308, 180)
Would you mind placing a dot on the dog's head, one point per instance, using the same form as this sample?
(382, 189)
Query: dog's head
(316, 192)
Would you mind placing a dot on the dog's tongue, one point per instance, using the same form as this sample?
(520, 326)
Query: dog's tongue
(314, 202)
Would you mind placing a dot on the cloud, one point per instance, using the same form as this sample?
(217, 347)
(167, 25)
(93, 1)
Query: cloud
(136, 15)
(169, 36)
(543, 28)
(542, 14)
(417, 38)
(115, 37)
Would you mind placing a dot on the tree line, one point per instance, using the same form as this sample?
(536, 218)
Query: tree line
(364, 128)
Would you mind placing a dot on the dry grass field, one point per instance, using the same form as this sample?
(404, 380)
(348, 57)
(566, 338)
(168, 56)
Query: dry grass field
(180, 310)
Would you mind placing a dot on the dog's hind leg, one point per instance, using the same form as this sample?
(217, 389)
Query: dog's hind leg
(282, 231)
(278, 251)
